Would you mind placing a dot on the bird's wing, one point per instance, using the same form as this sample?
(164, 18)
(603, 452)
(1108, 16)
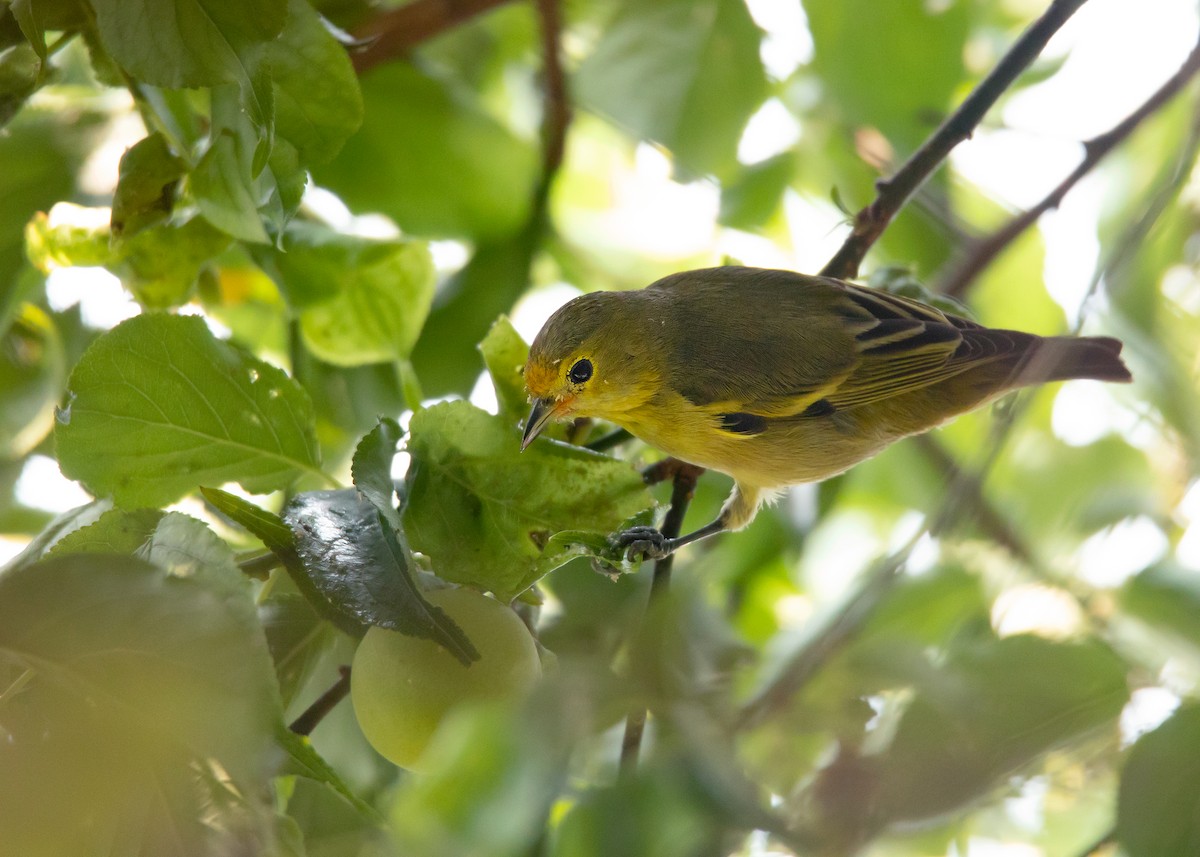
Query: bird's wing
(906, 345)
(787, 344)
(748, 340)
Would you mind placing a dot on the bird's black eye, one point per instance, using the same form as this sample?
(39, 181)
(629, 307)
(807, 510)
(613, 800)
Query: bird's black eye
(580, 372)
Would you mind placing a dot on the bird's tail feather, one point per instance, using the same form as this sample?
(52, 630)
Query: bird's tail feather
(1061, 358)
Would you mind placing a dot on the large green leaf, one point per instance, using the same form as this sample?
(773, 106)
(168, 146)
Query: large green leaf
(504, 353)
(318, 104)
(432, 160)
(993, 709)
(1158, 810)
(183, 43)
(683, 73)
(891, 66)
(129, 696)
(361, 300)
(158, 406)
(485, 513)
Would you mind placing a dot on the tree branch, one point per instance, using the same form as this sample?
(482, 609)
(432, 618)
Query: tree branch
(315, 713)
(1094, 150)
(685, 478)
(556, 109)
(397, 31)
(870, 222)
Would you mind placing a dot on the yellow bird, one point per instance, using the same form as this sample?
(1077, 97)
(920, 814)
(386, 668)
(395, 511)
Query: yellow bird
(778, 378)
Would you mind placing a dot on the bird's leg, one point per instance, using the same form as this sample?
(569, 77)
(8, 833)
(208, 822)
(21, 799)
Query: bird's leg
(651, 543)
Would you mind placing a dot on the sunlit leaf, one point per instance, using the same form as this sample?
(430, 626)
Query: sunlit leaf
(485, 512)
(681, 73)
(158, 406)
(361, 300)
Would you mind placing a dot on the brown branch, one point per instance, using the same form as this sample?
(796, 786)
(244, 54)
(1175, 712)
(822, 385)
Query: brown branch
(685, 478)
(556, 110)
(397, 31)
(1094, 150)
(315, 713)
(894, 192)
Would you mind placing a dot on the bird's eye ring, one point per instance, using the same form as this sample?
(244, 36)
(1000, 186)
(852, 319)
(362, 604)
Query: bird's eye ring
(581, 371)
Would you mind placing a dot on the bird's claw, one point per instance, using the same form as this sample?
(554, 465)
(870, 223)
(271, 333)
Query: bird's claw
(641, 542)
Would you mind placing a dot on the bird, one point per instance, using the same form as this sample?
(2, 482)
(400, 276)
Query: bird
(777, 378)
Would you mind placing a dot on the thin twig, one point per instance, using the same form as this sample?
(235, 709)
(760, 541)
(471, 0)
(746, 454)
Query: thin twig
(326, 702)
(1094, 150)
(892, 193)
(685, 477)
(397, 31)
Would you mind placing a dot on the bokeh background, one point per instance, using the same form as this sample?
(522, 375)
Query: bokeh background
(982, 643)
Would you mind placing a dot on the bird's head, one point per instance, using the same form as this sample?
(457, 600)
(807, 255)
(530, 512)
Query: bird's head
(589, 360)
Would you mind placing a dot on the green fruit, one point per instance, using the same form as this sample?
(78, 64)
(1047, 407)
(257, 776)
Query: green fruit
(402, 687)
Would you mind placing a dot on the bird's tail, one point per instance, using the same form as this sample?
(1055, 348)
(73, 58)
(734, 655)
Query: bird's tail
(1061, 358)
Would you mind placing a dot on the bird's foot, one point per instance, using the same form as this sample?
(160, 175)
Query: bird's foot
(642, 542)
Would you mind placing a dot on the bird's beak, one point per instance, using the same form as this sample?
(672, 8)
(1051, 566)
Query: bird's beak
(542, 412)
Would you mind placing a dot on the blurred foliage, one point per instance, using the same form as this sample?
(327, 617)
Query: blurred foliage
(1024, 671)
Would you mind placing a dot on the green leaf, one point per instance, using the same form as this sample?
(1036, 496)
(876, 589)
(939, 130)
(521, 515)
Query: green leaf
(297, 635)
(753, 197)
(371, 468)
(41, 151)
(361, 300)
(1158, 808)
(364, 569)
(468, 304)
(432, 160)
(1167, 598)
(158, 406)
(187, 43)
(20, 70)
(145, 195)
(32, 372)
(77, 238)
(117, 531)
(683, 73)
(504, 354)
(304, 761)
(863, 54)
(485, 513)
(161, 264)
(994, 708)
(120, 669)
(318, 104)
(223, 188)
(270, 529)
(176, 543)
